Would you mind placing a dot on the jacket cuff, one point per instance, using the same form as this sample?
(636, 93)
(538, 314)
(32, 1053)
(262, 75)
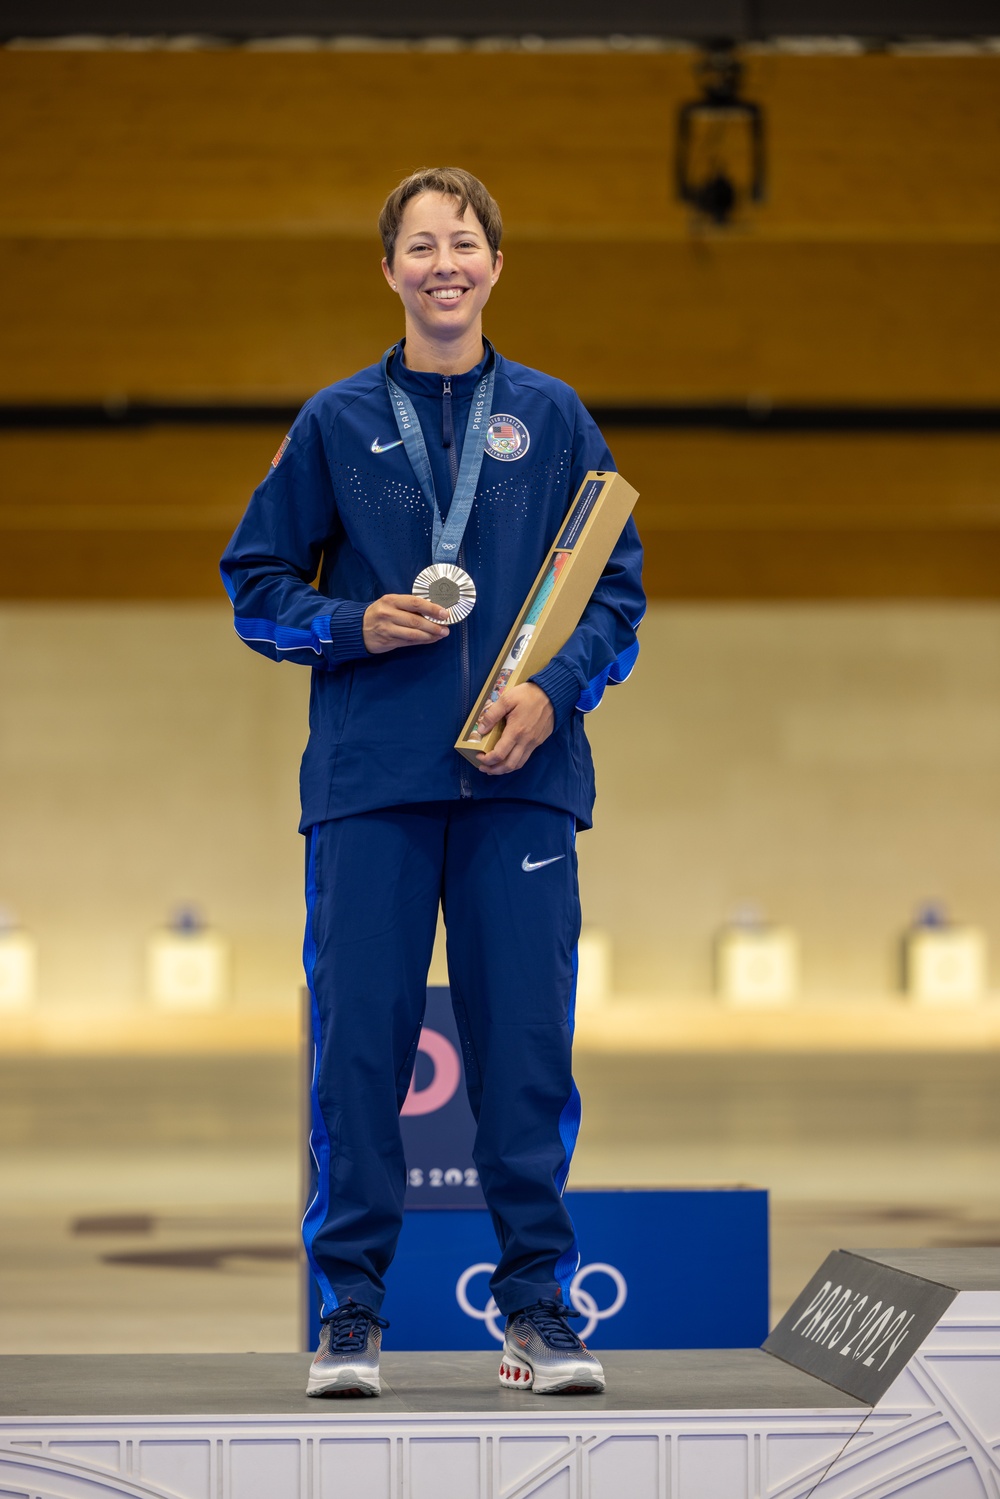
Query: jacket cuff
(560, 686)
(347, 641)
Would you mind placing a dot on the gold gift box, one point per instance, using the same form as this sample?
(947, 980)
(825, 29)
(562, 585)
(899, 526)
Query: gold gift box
(558, 596)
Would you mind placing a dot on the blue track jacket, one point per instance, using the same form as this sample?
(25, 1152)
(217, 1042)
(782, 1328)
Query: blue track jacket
(341, 500)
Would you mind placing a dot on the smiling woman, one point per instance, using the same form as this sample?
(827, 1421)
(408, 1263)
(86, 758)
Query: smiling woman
(441, 234)
(489, 455)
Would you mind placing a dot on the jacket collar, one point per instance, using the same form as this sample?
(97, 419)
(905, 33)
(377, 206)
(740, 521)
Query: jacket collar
(429, 382)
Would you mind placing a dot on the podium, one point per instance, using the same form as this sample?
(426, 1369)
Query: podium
(750, 1423)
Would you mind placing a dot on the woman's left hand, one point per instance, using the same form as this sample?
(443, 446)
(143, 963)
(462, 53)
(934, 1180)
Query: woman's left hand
(530, 721)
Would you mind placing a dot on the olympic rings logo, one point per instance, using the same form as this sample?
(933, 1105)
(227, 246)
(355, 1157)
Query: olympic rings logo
(581, 1299)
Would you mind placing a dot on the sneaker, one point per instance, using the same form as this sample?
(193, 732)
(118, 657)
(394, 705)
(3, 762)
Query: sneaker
(346, 1361)
(541, 1353)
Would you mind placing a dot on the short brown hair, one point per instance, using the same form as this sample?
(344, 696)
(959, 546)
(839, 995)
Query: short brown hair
(458, 184)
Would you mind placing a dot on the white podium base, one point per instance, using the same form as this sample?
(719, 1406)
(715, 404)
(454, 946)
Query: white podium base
(731, 1424)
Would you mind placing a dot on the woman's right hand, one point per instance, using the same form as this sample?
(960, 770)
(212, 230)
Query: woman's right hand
(402, 619)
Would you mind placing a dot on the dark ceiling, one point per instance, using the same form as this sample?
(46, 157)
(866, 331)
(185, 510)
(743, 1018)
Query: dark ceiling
(693, 19)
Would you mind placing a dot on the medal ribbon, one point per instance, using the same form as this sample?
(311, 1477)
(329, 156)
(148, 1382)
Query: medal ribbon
(447, 534)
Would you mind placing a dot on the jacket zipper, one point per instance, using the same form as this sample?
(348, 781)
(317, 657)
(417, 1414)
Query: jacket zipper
(448, 430)
(465, 779)
(448, 442)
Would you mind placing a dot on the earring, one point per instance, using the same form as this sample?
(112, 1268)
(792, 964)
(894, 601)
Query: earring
(393, 285)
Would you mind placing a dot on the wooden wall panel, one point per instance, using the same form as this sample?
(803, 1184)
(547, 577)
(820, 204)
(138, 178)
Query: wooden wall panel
(716, 567)
(203, 319)
(200, 226)
(135, 514)
(811, 482)
(145, 514)
(122, 563)
(872, 144)
(832, 516)
(148, 477)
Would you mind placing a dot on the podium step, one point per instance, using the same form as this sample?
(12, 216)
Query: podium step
(673, 1424)
(110, 1385)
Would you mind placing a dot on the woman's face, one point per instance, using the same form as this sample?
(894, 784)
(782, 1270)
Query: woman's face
(441, 268)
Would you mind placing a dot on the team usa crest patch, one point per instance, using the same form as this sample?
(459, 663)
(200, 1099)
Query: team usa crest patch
(506, 438)
(277, 457)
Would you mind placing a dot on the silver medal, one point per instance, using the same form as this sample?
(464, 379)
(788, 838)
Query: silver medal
(450, 586)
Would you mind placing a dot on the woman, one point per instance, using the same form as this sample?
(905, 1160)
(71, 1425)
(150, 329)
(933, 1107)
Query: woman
(444, 453)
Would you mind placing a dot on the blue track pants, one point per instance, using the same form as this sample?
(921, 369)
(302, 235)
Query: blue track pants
(505, 873)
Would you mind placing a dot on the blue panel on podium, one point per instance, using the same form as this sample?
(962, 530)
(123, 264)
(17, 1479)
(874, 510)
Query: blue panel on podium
(683, 1268)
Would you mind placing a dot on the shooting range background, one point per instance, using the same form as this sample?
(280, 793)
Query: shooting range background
(814, 724)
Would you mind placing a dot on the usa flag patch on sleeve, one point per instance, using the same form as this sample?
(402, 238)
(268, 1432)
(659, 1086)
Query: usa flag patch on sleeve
(277, 457)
